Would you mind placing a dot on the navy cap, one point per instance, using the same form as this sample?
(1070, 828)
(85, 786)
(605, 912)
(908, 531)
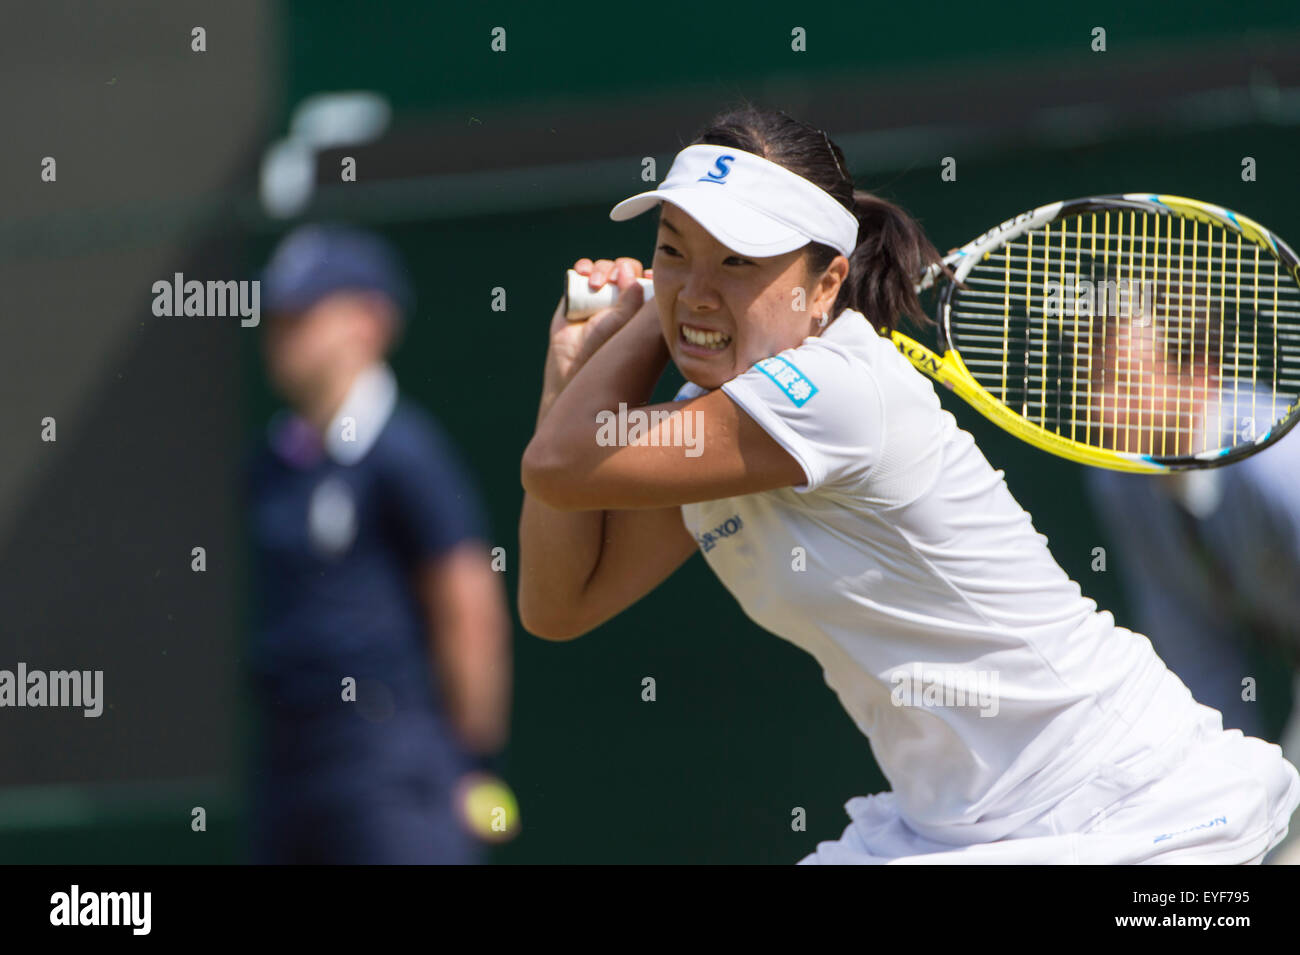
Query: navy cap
(315, 260)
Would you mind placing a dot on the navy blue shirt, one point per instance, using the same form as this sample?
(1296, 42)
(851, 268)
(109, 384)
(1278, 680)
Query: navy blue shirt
(337, 544)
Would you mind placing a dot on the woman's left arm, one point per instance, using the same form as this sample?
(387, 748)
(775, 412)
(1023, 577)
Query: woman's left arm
(702, 449)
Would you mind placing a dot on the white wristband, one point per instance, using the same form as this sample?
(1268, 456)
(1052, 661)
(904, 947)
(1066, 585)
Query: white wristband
(580, 302)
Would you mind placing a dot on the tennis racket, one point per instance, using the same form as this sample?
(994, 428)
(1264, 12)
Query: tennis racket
(1138, 332)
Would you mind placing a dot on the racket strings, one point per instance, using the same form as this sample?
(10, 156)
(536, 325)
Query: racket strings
(1137, 332)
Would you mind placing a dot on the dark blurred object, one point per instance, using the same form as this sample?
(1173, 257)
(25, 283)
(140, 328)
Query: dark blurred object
(381, 659)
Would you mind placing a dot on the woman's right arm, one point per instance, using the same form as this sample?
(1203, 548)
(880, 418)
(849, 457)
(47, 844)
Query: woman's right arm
(580, 568)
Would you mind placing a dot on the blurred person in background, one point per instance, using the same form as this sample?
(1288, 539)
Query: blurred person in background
(1210, 559)
(381, 661)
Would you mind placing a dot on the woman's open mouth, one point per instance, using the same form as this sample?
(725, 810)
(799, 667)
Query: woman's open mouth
(702, 340)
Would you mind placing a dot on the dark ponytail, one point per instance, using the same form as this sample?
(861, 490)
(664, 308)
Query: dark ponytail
(892, 250)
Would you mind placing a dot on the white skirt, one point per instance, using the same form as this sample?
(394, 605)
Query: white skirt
(1219, 798)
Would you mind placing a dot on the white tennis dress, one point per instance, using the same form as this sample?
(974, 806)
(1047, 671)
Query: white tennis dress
(1014, 721)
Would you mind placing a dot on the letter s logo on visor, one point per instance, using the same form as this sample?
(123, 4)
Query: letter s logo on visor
(722, 166)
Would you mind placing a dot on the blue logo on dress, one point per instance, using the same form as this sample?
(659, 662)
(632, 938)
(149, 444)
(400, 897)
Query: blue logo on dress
(722, 166)
(709, 539)
(1216, 821)
(788, 378)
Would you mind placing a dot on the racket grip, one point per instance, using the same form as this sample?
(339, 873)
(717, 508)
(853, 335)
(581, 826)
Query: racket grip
(580, 302)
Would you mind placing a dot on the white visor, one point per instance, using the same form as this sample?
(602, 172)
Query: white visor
(750, 205)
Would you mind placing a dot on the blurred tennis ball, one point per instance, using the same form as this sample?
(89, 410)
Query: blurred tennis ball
(488, 807)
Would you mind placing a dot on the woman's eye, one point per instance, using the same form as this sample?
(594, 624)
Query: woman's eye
(667, 249)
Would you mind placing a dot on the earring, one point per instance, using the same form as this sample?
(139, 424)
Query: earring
(826, 317)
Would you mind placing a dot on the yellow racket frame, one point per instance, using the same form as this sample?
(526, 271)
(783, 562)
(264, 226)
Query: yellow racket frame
(949, 370)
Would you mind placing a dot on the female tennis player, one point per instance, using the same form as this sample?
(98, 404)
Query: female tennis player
(847, 513)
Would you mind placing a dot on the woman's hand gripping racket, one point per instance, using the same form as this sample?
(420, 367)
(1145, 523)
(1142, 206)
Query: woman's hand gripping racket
(573, 342)
(1138, 332)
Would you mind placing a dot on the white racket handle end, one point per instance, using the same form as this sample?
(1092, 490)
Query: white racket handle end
(580, 302)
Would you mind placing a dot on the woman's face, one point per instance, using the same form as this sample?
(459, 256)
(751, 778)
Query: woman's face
(721, 312)
(306, 352)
